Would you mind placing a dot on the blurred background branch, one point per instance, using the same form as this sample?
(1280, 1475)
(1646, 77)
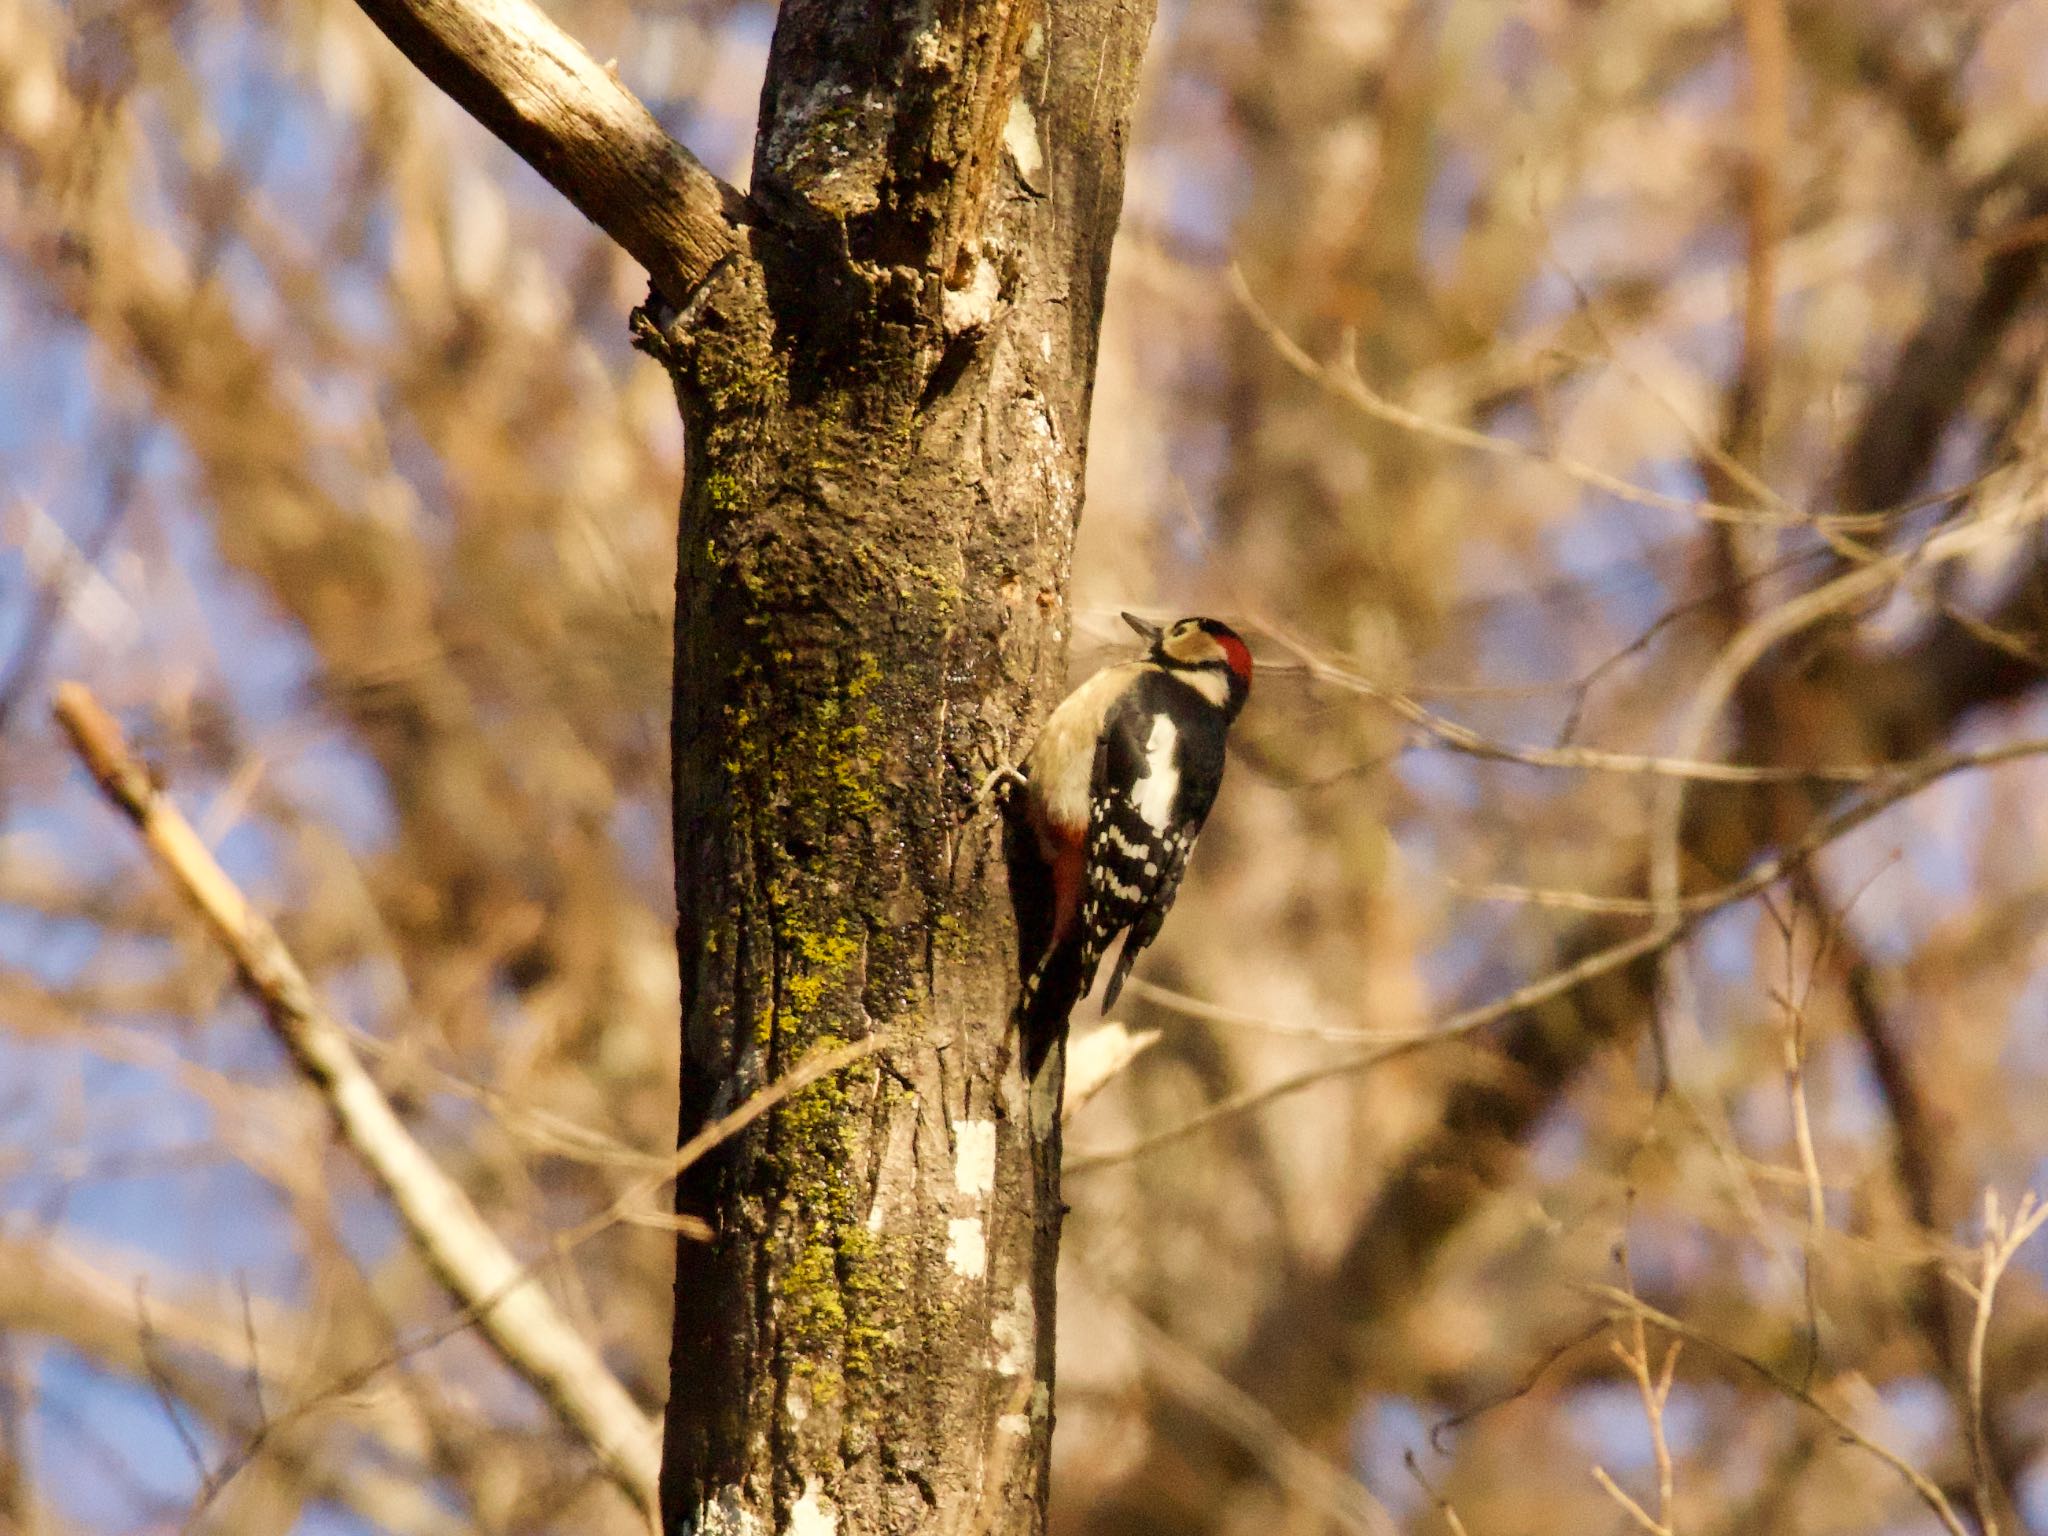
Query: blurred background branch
(510, 1306)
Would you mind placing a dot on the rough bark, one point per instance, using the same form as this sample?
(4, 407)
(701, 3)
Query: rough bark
(886, 407)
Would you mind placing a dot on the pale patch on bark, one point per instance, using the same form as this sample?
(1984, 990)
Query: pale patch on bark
(813, 1515)
(974, 1157)
(967, 1247)
(968, 310)
(725, 1516)
(1014, 1331)
(929, 48)
(1047, 457)
(830, 134)
(1045, 1100)
(1020, 137)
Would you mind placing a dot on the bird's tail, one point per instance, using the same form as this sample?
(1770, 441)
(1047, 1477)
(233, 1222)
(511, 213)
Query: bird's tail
(1126, 958)
(1049, 995)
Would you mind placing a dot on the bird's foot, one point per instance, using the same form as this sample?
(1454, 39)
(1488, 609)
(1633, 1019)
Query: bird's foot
(1000, 781)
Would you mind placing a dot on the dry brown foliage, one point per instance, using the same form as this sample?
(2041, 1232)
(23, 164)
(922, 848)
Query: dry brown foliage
(1620, 426)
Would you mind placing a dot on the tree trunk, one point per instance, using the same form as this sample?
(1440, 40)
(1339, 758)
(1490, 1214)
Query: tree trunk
(886, 396)
(884, 357)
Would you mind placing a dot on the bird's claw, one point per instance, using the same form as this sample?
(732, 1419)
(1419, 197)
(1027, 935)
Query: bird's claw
(1002, 777)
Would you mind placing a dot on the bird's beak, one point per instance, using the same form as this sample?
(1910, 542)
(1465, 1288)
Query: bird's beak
(1150, 632)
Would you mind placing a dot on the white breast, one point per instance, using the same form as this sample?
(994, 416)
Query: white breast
(1062, 760)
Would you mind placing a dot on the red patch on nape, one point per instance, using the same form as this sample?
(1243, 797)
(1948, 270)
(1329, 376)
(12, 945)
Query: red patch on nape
(1237, 654)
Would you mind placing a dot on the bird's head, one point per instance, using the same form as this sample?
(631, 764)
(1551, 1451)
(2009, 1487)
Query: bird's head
(1201, 646)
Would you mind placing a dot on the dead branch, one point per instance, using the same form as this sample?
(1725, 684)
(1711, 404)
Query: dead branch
(532, 85)
(1458, 737)
(513, 1310)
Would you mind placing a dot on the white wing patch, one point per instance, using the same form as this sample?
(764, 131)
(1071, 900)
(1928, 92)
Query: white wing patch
(1157, 791)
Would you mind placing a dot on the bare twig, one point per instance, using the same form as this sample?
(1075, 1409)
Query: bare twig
(514, 1312)
(1342, 381)
(1443, 1428)
(1462, 738)
(1792, 1002)
(1452, 1523)
(532, 85)
(623, 1209)
(1930, 1493)
(2003, 1239)
(254, 1370)
(1802, 1124)
(1768, 630)
(1654, 1387)
(718, 1132)
(1192, 1007)
(166, 1398)
(1630, 1507)
(1922, 1160)
(1677, 920)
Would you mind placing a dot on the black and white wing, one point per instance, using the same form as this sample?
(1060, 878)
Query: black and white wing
(1144, 811)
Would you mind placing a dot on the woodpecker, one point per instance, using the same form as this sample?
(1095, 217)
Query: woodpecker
(1116, 788)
